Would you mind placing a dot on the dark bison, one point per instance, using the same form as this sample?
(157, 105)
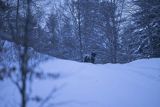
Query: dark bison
(90, 58)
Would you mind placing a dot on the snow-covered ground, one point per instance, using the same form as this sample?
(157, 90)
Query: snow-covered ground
(136, 84)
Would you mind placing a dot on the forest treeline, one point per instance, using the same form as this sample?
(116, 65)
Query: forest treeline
(118, 31)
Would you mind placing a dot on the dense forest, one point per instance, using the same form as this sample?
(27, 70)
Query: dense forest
(118, 31)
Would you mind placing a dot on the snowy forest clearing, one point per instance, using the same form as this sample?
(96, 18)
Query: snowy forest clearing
(35, 35)
(136, 84)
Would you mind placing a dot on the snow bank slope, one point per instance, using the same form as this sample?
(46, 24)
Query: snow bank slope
(136, 84)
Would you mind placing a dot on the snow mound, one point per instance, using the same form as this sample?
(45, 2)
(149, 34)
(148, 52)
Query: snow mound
(136, 84)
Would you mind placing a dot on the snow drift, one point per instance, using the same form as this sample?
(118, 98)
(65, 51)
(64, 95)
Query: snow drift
(136, 84)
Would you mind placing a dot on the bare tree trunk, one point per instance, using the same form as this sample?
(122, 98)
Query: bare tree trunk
(17, 18)
(23, 90)
(150, 54)
(24, 64)
(114, 33)
(116, 27)
(79, 32)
